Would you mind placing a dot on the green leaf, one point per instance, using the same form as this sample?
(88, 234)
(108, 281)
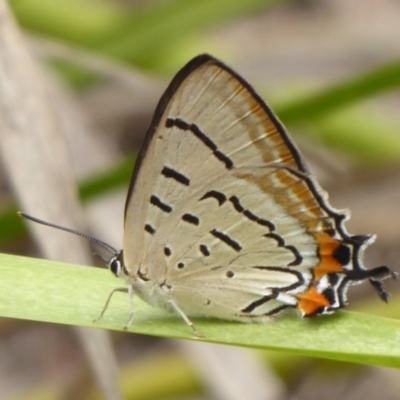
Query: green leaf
(371, 83)
(47, 291)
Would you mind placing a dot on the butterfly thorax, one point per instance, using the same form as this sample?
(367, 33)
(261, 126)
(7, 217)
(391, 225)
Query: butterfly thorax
(149, 286)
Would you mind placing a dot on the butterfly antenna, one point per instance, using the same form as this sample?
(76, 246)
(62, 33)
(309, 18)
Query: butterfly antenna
(63, 228)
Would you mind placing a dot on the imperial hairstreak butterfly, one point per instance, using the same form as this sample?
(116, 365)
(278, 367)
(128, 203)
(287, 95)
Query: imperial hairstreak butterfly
(223, 218)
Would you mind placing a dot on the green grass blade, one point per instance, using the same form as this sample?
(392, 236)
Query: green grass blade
(380, 80)
(40, 290)
(368, 136)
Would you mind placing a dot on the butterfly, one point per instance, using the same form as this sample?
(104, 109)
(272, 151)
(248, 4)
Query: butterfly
(223, 218)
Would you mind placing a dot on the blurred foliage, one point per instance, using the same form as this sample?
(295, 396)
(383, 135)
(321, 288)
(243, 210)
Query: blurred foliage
(12, 228)
(148, 36)
(158, 37)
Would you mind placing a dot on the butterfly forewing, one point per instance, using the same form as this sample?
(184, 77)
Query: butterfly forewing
(214, 123)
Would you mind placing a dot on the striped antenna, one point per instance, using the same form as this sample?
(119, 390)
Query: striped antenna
(63, 228)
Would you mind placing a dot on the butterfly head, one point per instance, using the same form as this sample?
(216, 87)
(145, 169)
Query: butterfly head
(116, 264)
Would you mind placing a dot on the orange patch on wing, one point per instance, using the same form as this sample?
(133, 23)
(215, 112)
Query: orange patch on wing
(311, 301)
(327, 247)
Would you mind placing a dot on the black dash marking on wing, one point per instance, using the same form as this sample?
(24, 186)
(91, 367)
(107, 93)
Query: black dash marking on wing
(297, 274)
(181, 124)
(278, 309)
(191, 219)
(251, 307)
(257, 303)
(226, 239)
(280, 241)
(220, 197)
(247, 213)
(148, 228)
(167, 251)
(142, 276)
(177, 176)
(298, 259)
(204, 249)
(158, 203)
(236, 204)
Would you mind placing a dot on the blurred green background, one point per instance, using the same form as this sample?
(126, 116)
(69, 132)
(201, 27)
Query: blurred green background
(331, 71)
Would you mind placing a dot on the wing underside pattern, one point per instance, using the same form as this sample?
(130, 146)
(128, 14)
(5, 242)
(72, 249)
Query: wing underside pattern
(223, 212)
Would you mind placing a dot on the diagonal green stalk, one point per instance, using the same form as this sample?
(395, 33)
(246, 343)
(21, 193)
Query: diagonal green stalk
(48, 291)
(383, 79)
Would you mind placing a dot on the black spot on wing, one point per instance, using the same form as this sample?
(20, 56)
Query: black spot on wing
(342, 254)
(174, 174)
(204, 250)
(181, 124)
(191, 219)
(226, 239)
(148, 228)
(213, 194)
(167, 251)
(155, 201)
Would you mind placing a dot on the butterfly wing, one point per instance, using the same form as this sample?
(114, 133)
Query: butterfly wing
(222, 212)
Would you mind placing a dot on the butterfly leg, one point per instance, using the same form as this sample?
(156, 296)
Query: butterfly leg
(185, 318)
(129, 323)
(124, 290)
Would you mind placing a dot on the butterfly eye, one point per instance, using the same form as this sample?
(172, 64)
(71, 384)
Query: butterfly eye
(115, 266)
